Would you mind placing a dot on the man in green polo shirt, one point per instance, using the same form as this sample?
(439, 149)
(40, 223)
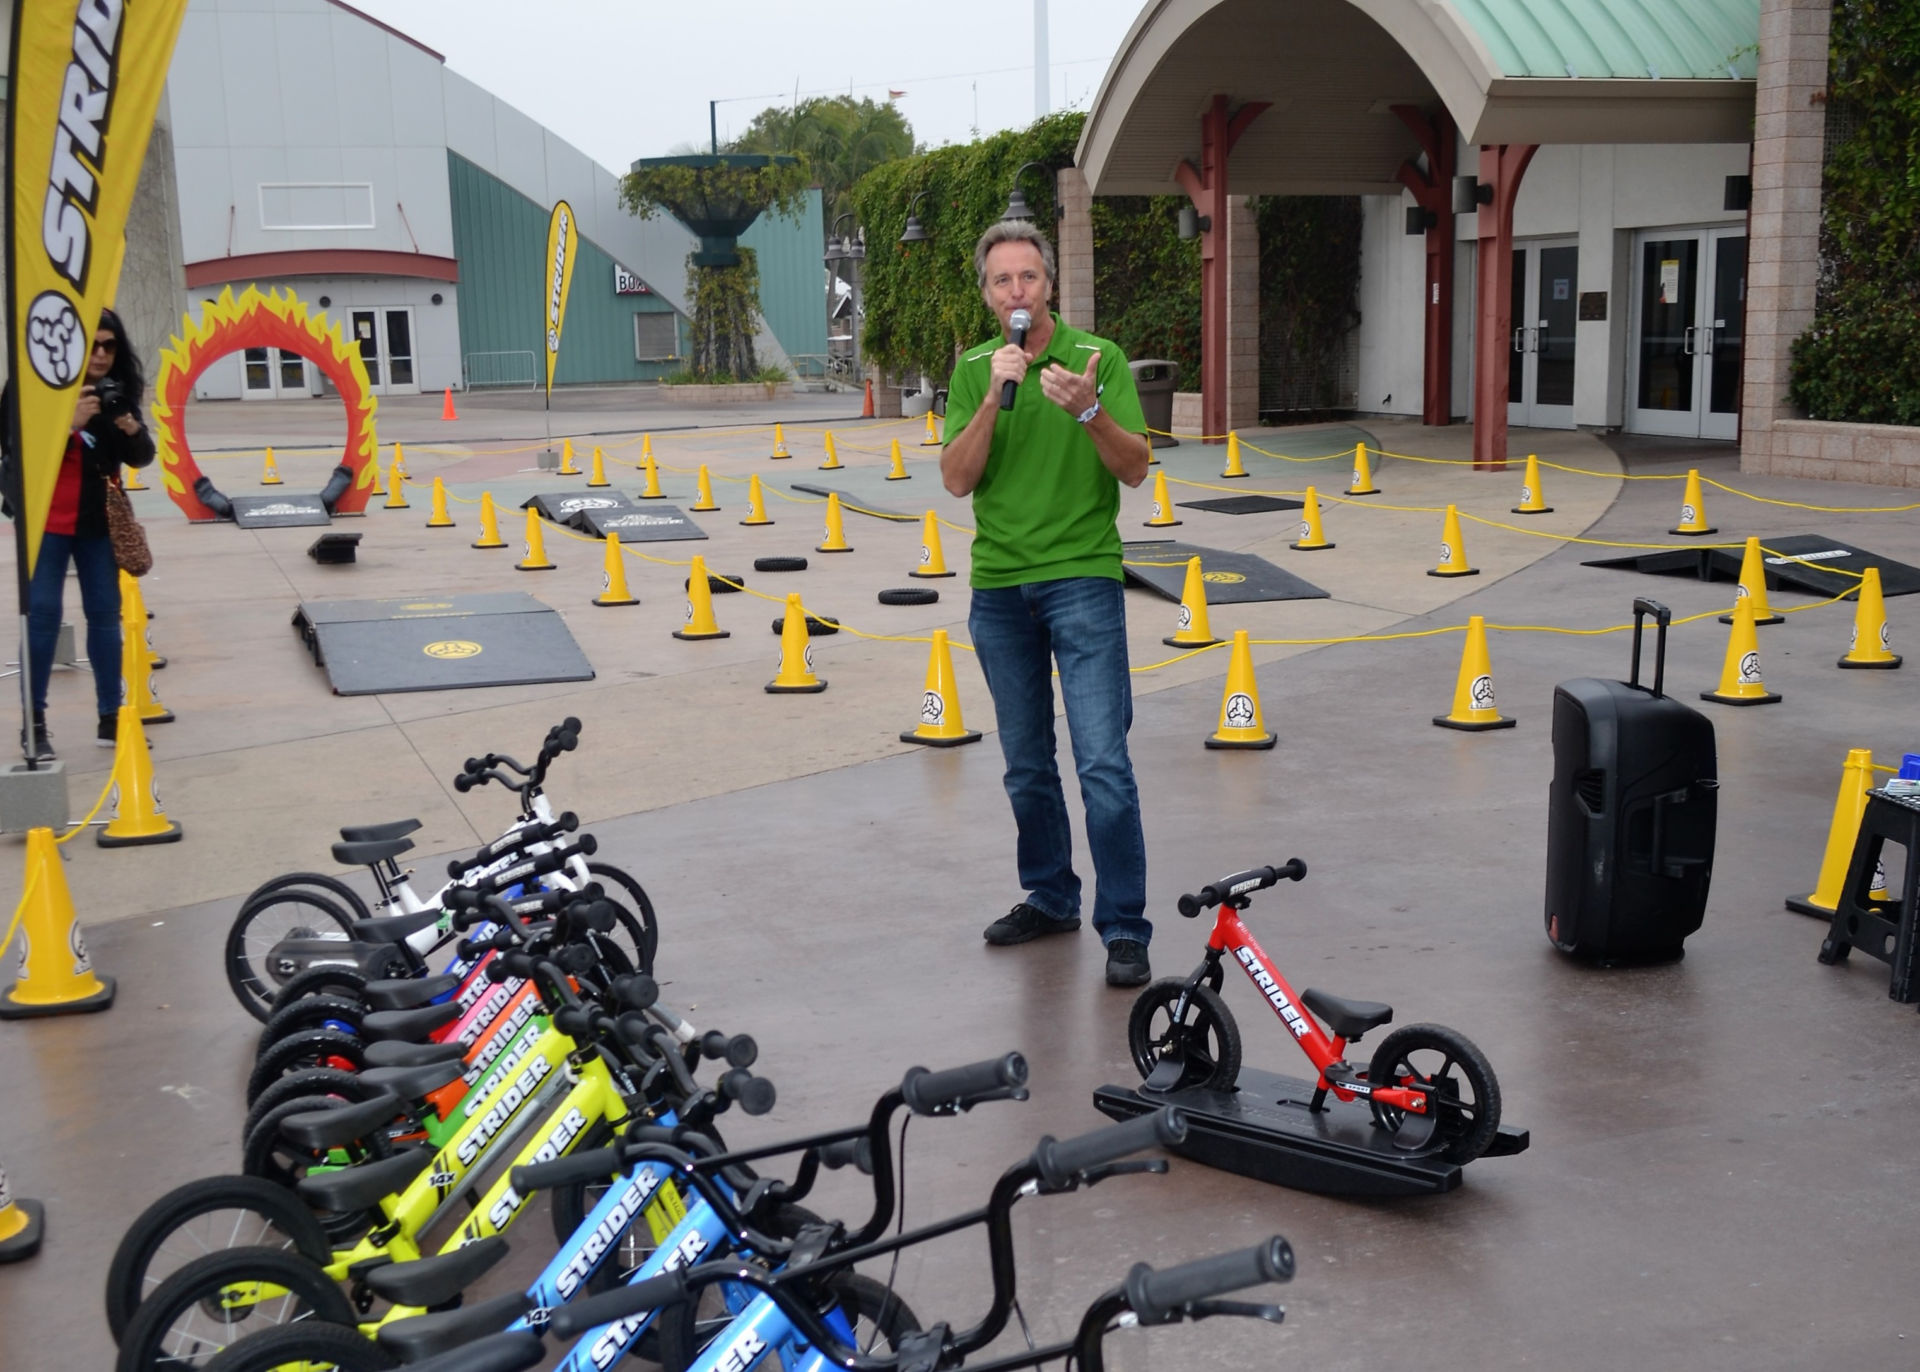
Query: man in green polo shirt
(1044, 470)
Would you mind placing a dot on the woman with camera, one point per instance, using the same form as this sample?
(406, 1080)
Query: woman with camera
(108, 433)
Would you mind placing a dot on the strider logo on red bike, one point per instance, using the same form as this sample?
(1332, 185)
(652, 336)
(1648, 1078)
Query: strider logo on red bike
(490, 1007)
(557, 1142)
(508, 1106)
(607, 1232)
(609, 1346)
(1271, 990)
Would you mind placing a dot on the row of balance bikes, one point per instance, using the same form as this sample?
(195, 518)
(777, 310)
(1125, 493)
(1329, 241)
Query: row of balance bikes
(430, 1065)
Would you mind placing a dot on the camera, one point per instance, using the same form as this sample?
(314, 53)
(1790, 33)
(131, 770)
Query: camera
(113, 398)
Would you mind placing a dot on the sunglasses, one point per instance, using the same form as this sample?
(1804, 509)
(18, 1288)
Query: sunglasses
(105, 345)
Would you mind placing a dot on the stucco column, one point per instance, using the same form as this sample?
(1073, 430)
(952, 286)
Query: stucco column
(1243, 314)
(1783, 223)
(1075, 248)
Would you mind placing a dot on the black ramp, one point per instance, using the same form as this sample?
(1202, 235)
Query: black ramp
(1810, 563)
(572, 507)
(322, 612)
(642, 524)
(376, 646)
(1231, 577)
(278, 511)
(854, 503)
(1242, 504)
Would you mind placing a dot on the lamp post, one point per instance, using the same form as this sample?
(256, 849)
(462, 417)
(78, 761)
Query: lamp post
(1016, 200)
(852, 250)
(915, 231)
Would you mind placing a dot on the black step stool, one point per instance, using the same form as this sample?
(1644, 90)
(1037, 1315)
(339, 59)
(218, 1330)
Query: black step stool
(1882, 929)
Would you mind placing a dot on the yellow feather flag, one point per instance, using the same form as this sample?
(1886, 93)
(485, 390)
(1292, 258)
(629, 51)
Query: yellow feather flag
(563, 242)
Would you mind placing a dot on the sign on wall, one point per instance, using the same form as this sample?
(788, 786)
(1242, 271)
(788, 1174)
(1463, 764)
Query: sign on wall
(626, 283)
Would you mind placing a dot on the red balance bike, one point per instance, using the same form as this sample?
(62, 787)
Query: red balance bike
(1427, 1085)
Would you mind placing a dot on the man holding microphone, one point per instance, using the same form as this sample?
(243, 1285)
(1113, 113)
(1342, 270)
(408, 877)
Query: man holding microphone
(1043, 424)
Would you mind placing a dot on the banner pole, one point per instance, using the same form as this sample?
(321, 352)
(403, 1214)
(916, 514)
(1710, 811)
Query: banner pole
(16, 483)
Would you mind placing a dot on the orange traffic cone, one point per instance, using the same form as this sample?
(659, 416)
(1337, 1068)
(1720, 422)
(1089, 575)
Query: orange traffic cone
(836, 536)
(1193, 630)
(933, 562)
(138, 815)
(1871, 640)
(795, 676)
(940, 723)
(700, 620)
(489, 524)
(866, 410)
(56, 976)
(1740, 681)
(446, 406)
(1473, 707)
(1240, 723)
(439, 519)
(1162, 504)
(613, 583)
(536, 559)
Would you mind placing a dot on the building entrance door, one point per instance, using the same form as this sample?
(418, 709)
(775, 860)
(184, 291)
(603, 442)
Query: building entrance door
(385, 339)
(1545, 308)
(1690, 301)
(270, 373)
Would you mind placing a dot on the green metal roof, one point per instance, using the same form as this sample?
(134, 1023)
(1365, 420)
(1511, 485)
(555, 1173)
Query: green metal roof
(1635, 39)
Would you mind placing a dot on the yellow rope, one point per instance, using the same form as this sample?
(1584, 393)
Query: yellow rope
(104, 792)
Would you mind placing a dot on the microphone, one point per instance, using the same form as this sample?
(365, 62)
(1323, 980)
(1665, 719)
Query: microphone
(1017, 325)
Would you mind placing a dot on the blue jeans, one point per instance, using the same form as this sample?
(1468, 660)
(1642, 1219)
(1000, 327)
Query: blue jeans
(99, 597)
(1019, 632)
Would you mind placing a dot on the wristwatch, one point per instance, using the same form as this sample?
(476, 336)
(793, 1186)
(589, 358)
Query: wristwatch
(1086, 416)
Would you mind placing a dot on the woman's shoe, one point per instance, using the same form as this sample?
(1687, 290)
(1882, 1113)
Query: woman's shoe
(108, 734)
(40, 747)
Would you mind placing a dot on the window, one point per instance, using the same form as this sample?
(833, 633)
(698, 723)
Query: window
(316, 205)
(656, 336)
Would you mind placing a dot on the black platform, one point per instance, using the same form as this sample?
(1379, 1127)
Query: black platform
(1886, 930)
(573, 507)
(1264, 1130)
(1811, 563)
(290, 511)
(854, 504)
(1231, 577)
(503, 638)
(1242, 504)
(649, 523)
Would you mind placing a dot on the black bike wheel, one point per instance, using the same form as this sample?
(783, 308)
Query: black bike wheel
(637, 931)
(309, 1344)
(321, 1048)
(346, 982)
(213, 1302)
(315, 1081)
(1206, 1034)
(879, 1318)
(333, 886)
(263, 921)
(270, 1157)
(308, 1013)
(1460, 1077)
(199, 1218)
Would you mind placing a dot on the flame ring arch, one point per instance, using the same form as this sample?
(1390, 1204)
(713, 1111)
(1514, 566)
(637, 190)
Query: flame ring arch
(275, 320)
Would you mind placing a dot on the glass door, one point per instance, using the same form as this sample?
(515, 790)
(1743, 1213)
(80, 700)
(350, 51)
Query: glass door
(1545, 310)
(366, 333)
(1724, 351)
(399, 350)
(385, 337)
(1688, 330)
(271, 373)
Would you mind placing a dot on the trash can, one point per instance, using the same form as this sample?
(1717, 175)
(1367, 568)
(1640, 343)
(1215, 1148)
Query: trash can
(1156, 379)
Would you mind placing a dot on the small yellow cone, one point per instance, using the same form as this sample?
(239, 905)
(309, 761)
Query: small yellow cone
(1753, 586)
(933, 562)
(833, 455)
(400, 461)
(1871, 637)
(1362, 473)
(56, 976)
(133, 481)
(1235, 467)
(700, 620)
(1533, 500)
(138, 815)
(1240, 723)
(1453, 548)
(836, 531)
(599, 477)
(439, 519)
(489, 524)
(940, 723)
(270, 473)
(898, 472)
(646, 445)
(796, 655)
(651, 491)
(780, 443)
(613, 582)
(756, 503)
(23, 1222)
(536, 559)
(396, 488)
(932, 440)
(1162, 504)
(1193, 630)
(1693, 510)
(567, 465)
(1856, 779)
(1473, 705)
(1313, 538)
(1740, 682)
(136, 657)
(705, 500)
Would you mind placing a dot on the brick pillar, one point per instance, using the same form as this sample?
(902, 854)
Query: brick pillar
(1783, 222)
(1075, 248)
(1243, 315)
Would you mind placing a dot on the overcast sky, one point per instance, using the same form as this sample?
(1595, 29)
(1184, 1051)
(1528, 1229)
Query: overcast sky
(621, 79)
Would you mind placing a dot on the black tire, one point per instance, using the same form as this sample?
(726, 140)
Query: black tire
(271, 1158)
(816, 628)
(265, 920)
(1469, 1114)
(1207, 1033)
(332, 886)
(315, 1081)
(306, 1344)
(308, 1013)
(909, 595)
(720, 585)
(637, 933)
(346, 982)
(183, 1324)
(879, 1318)
(779, 564)
(191, 1220)
(321, 1048)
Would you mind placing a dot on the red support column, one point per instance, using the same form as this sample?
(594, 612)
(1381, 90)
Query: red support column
(1206, 186)
(1433, 192)
(1501, 168)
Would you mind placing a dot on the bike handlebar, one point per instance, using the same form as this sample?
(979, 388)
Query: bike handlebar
(1057, 1160)
(1253, 879)
(962, 1088)
(1159, 1297)
(577, 1317)
(523, 837)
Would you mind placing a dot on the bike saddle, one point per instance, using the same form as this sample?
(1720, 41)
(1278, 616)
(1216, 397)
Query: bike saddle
(375, 833)
(365, 854)
(422, 1336)
(407, 993)
(1347, 1018)
(438, 1279)
(321, 1130)
(510, 1352)
(393, 928)
(400, 1053)
(411, 1025)
(416, 1081)
(364, 1184)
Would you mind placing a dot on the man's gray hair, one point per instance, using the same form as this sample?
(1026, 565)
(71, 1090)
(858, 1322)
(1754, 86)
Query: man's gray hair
(1011, 231)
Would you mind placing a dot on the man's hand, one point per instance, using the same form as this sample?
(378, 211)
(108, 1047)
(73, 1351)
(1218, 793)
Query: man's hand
(1009, 364)
(86, 409)
(1074, 392)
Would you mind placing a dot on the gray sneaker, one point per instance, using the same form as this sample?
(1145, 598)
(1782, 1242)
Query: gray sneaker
(1023, 923)
(1127, 963)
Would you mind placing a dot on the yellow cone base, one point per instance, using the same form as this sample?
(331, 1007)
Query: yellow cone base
(170, 834)
(1758, 619)
(707, 508)
(85, 1005)
(161, 714)
(1256, 741)
(1454, 571)
(751, 522)
(1160, 523)
(1533, 509)
(1882, 664)
(933, 740)
(440, 522)
(23, 1236)
(605, 601)
(1319, 547)
(1757, 696)
(808, 688)
(495, 542)
(899, 476)
(1202, 641)
(1694, 533)
(693, 636)
(916, 572)
(543, 567)
(1474, 726)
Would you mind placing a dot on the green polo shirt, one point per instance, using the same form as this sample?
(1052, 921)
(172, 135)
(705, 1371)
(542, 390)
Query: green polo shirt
(1046, 506)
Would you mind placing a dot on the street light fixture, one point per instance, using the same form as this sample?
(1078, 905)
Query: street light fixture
(851, 249)
(915, 232)
(1017, 201)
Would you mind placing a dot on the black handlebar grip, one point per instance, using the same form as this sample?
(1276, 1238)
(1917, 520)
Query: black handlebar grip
(737, 1050)
(755, 1095)
(1058, 1159)
(960, 1087)
(857, 1153)
(509, 965)
(637, 991)
(577, 1317)
(463, 782)
(596, 1164)
(1158, 1296)
(576, 1022)
(538, 866)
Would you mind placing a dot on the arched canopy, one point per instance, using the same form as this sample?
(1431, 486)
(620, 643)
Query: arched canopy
(1508, 71)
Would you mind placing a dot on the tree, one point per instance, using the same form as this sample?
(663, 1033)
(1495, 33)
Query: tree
(840, 138)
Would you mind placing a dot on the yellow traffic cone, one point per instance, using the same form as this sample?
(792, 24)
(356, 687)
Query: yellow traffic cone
(651, 491)
(933, 562)
(796, 655)
(1193, 630)
(599, 476)
(489, 524)
(396, 488)
(133, 481)
(270, 473)
(756, 503)
(780, 443)
(833, 454)
(439, 519)
(1473, 706)
(1740, 682)
(1856, 779)
(940, 723)
(705, 500)
(136, 659)
(932, 440)
(1162, 504)
(536, 559)
(56, 976)
(1313, 538)
(898, 472)
(138, 815)
(400, 461)
(1362, 473)
(700, 620)
(1753, 586)
(646, 445)
(1235, 467)
(23, 1224)
(1533, 500)
(567, 466)
(1453, 548)
(1240, 723)
(613, 582)
(1869, 646)
(836, 531)
(1693, 510)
